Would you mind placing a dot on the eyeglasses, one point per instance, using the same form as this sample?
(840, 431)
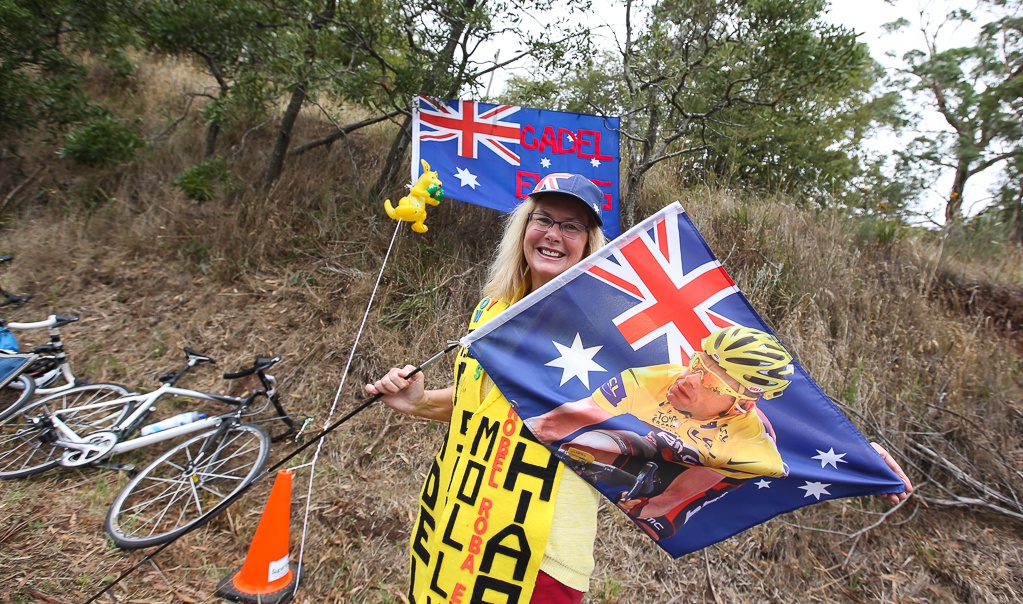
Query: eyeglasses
(718, 385)
(571, 229)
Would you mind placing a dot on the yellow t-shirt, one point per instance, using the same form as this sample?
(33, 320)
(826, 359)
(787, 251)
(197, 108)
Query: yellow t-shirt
(569, 554)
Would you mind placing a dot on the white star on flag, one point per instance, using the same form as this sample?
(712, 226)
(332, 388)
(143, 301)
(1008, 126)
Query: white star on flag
(545, 163)
(830, 458)
(467, 178)
(595, 162)
(816, 489)
(576, 362)
(763, 484)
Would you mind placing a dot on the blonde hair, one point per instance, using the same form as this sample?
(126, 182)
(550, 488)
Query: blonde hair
(509, 278)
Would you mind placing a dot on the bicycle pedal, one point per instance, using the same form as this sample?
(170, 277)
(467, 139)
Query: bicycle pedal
(113, 465)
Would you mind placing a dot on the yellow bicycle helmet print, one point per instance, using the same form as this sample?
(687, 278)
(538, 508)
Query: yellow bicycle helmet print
(752, 357)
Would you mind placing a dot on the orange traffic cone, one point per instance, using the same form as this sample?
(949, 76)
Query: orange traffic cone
(266, 576)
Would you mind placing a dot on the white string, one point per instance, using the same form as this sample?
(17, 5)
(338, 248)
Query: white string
(337, 396)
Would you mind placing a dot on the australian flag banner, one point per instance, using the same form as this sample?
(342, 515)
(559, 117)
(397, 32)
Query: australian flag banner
(590, 361)
(493, 155)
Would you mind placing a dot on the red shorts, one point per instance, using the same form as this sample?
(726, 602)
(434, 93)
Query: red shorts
(549, 591)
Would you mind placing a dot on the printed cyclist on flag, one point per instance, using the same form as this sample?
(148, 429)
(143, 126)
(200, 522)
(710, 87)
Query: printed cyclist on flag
(702, 418)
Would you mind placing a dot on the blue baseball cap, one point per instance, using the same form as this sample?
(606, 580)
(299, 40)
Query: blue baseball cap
(573, 185)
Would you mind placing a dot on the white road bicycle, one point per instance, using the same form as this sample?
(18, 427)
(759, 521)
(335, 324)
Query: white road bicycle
(82, 426)
(50, 372)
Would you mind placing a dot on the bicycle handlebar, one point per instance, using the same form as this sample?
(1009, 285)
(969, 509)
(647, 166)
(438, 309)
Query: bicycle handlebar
(51, 321)
(261, 364)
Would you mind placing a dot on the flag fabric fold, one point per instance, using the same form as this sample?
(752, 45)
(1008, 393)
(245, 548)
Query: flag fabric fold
(493, 155)
(609, 335)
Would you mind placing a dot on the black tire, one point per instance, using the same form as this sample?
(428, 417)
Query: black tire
(23, 447)
(15, 394)
(168, 497)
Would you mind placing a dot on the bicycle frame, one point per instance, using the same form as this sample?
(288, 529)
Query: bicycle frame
(56, 348)
(108, 442)
(144, 405)
(115, 420)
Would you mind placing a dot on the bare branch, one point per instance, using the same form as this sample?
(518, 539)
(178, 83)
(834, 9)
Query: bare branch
(342, 132)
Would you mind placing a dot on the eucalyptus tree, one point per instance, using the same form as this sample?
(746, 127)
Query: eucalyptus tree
(807, 143)
(762, 93)
(702, 71)
(41, 67)
(978, 91)
(232, 39)
(262, 54)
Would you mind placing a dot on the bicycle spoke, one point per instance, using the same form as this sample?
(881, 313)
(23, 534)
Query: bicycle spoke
(24, 453)
(23, 435)
(171, 488)
(176, 496)
(176, 486)
(195, 498)
(22, 449)
(173, 492)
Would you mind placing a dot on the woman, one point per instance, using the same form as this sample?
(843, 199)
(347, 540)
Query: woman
(497, 514)
(553, 229)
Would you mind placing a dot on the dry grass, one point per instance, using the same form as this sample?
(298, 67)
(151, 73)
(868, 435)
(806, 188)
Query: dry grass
(292, 273)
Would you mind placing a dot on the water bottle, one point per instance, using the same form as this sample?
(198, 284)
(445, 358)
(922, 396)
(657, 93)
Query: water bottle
(172, 422)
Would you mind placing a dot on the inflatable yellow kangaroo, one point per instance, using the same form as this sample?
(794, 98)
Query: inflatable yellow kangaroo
(412, 207)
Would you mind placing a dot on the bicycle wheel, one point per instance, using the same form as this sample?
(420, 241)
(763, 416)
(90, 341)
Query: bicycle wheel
(167, 498)
(14, 394)
(26, 436)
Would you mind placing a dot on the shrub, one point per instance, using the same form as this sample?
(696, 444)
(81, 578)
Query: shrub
(202, 181)
(101, 142)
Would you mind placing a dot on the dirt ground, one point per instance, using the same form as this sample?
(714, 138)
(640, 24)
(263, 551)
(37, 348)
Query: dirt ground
(138, 311)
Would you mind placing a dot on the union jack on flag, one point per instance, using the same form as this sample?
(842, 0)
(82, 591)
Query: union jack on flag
(466, 123)
(672, 302)
(493, 155)
(647, 300)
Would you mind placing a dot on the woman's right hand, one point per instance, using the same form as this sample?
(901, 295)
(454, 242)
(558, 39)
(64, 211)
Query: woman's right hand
(409, 395)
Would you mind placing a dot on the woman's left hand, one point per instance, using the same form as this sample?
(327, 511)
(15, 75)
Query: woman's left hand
(895, 467)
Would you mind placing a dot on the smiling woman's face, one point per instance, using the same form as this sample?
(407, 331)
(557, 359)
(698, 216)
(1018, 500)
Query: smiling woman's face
(548, 252)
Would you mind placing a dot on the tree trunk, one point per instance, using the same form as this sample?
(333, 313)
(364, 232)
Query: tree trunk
(639, 162)
(633, 185)
(954, 206)
(211, 140)
(273, 169)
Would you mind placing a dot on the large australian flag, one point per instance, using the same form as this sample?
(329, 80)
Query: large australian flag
(493, 155)
(648, 299)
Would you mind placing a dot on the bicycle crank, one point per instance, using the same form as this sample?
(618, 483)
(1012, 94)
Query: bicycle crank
(96, 446)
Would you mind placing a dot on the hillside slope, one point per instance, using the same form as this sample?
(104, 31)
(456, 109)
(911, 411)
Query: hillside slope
(883, 319)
